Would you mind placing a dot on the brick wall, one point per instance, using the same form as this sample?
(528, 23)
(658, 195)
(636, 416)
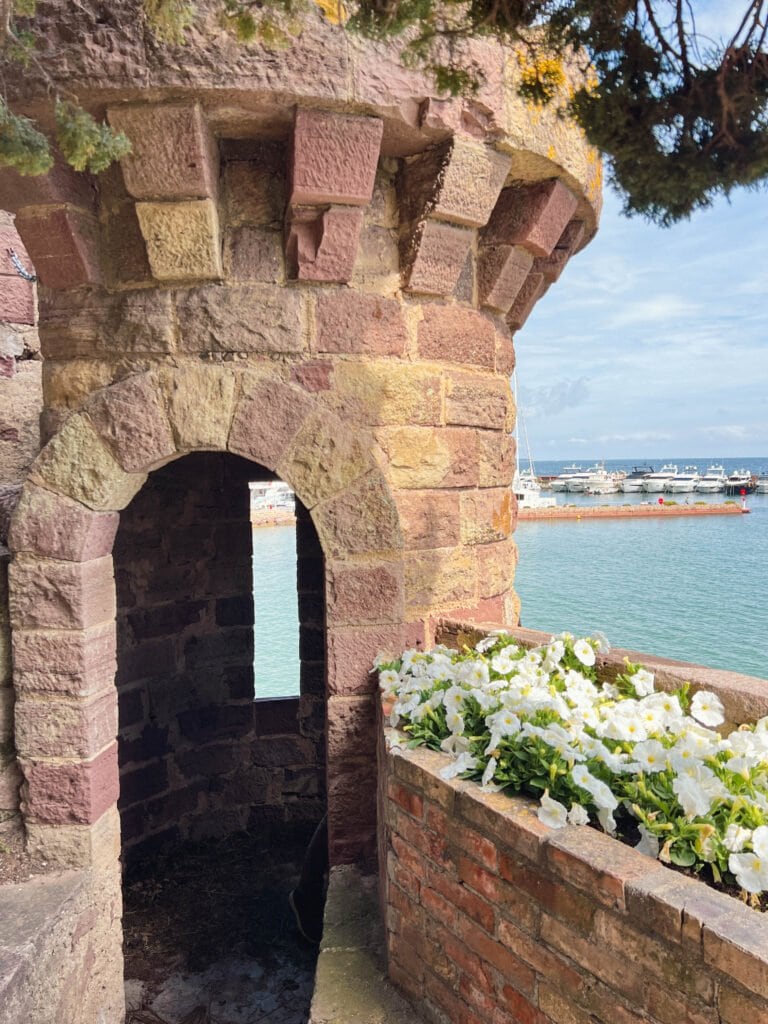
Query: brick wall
(197, 756)
(491, 916)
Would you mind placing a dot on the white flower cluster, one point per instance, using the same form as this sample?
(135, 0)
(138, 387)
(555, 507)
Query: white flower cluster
(539, 721)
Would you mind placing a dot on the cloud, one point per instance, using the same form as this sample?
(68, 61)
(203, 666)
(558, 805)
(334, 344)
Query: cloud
(730, 431)
(552, 398)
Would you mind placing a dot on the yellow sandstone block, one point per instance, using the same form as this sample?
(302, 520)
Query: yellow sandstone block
(182, 239)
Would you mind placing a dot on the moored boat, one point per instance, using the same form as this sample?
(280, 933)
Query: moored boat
(655, 483)
(740, 481)
(761, 487)
(713, 481)
(633, 482)
(599, 481)
(560, 483)
(683, 482)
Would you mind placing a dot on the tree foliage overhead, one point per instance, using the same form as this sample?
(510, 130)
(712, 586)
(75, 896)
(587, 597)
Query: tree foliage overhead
(680, 117)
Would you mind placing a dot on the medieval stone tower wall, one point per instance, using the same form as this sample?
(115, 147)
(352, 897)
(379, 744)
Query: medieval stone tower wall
(312, 265)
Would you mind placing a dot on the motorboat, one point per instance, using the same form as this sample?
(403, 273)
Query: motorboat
(713, 481)
(560, 483)
(740, 481)
(683, 482)
(527, 490)
(633, 482)
(655, 483)
(599, 481)
(761, 487)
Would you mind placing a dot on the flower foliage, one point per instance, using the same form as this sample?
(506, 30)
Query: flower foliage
(540, 722)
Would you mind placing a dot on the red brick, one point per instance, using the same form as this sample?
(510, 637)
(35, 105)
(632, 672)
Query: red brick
(501, 273)
(322, 244)
(410, 858)
(737, 945)
(532, 951)
(463, 899)
(131, 418)
(430, 843)
(479, 879)
(595, 863)
(474, 966)
(481, 1000)
(483, 850)
(530, 293)
(348, 322)
(439, 908)
(53, 594)
(173, 155)
(334, 158)
(557, 898)
(617, 971)
(266, 419)
(523, 1011)
(410, 801)
(435, 261)
(456, 335)
(533, 216)
(493, 952)
(437, 820)
(439, 994)
(404, 980)
(407, 887)
(63, 245)
(79, 793)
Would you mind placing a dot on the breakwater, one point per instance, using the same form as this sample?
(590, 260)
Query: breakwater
(629, 511)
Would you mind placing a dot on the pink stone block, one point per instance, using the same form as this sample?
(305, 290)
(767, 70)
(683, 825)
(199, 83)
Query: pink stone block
(266, 419)
(533, 216)
(434, 261)
(131, 418)
(348, 321)
(501, 273)
(79, 663)
(334, 158)
(48, 594)
(314, 375)
(59, 729)
(351, 651)
(173, 154)
(60, 185)
(50, 524)
(17, 297)
(527, 297)
(365, 594)
(457, 335)
(351, 730)
(322, 245)
(553, 265)
(75, 793)
(63, 245)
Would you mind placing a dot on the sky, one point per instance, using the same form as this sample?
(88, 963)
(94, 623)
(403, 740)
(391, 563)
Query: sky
(654, 342)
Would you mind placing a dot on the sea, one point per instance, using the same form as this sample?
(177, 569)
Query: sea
(694, 589)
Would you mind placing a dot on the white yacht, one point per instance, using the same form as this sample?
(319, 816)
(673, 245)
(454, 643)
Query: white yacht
(599, 481)
(560, 483)
(655, 483)
(713, 481)
(683, 482)
(740, 480)
(527, 490)
(761, 487)
(633, 482)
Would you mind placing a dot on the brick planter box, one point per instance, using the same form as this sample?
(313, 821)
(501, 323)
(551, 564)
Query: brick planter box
(491, 916)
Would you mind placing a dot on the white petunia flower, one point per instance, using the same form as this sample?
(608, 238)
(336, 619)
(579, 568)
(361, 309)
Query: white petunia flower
(578, 815)
(651, 756)
(552, 812)
(649, 843)
(751, 869)
(707, 708)
(585, 652)
(388, 679)
(691, 796)
(642, 680)
(600, 793)
(487, 780)
(464, 762)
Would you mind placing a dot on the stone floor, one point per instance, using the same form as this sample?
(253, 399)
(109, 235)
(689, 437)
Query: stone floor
(210, 930)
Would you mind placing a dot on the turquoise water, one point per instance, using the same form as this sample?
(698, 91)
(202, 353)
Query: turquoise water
(692, 589)
(276, 612)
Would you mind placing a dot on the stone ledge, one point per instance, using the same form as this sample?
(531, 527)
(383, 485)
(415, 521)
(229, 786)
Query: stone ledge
(351, 984)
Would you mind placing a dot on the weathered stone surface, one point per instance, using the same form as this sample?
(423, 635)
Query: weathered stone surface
(505, 351)
(62, 184)
(254, 254)
(200, 406)
(351, 727)
(17, 296)
(496, 565)
(501, 273)
(87, 323)
(76, 462)
(131, 418)
(553, 265)
(496, 458)
(245, 318)
(123, 247)
(365, 594)
(20, 419)
(49, 524)
(388, 393)
(457, 335)
(48, 594)
(430, 519)
(10, 781)
(334, 158)
(363, 519)
(78, 846)
(322, 244)
(486, 515)
(77, 663)
(267, 417)
(78, 792)
(325, 457)
(63, 245)
(254, 190)
(377, 265)
(350, 322)
(418, 457)
(68, 383)
(533, 216)
(478, 402)
(530, 293)
(173, 155)
(351, 651)
(64, 728)
(182, 239)
(314, 375)
(433, 260)
(439, 578)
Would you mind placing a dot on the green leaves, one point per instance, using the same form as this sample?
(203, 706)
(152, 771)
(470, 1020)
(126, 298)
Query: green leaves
(85, 143)
(22, 146)
(169, 19)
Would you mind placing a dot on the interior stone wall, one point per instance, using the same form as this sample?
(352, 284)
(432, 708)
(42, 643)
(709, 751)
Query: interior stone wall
(198, 756)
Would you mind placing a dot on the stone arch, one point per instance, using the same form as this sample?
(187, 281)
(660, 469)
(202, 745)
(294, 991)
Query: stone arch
(62, 591)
